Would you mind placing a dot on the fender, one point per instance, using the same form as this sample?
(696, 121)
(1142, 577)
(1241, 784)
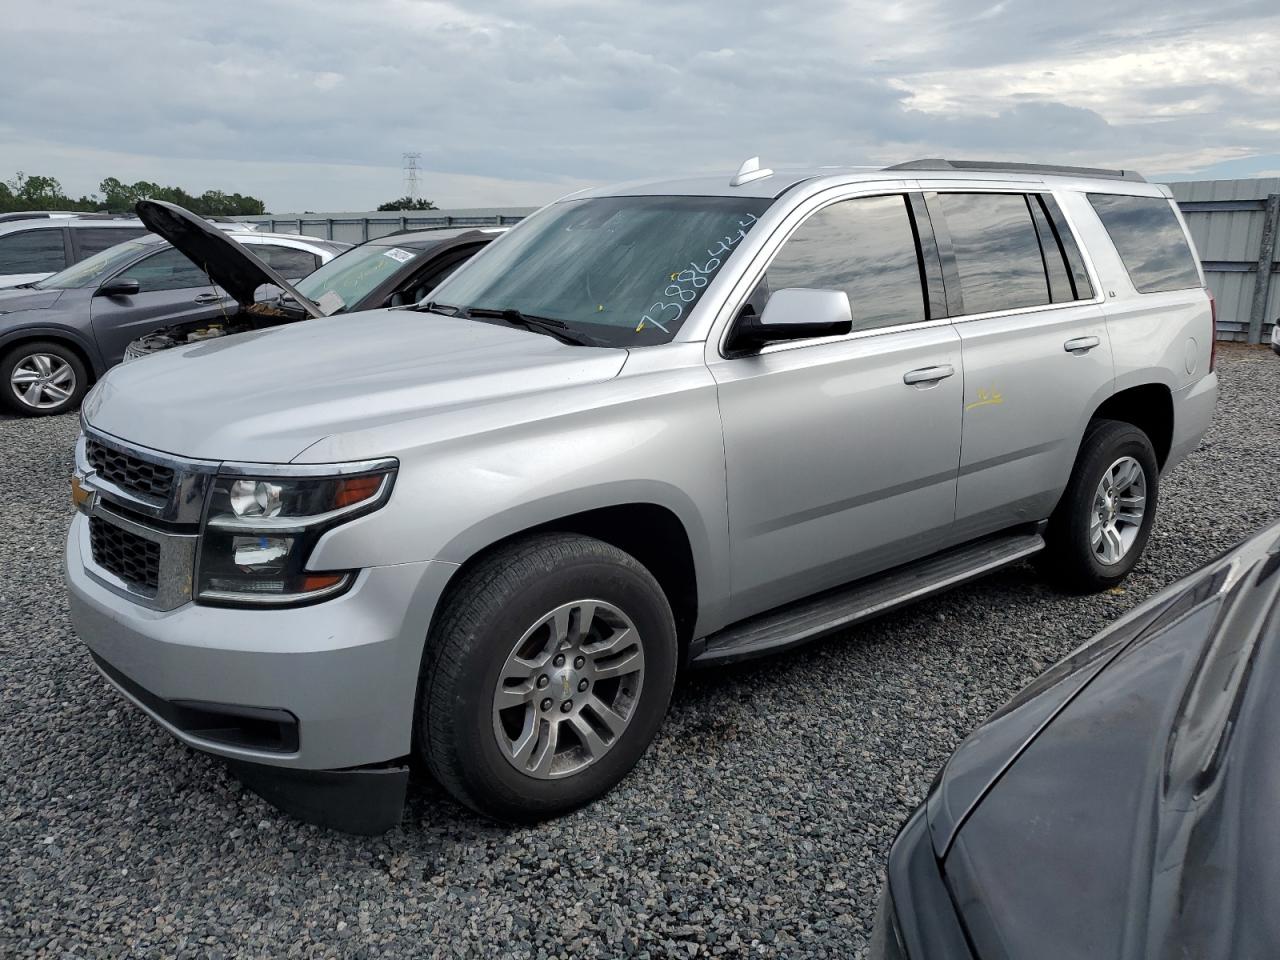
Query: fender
(56, 332)
(712, 580)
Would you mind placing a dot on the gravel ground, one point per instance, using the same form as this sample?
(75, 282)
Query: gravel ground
(757, 824)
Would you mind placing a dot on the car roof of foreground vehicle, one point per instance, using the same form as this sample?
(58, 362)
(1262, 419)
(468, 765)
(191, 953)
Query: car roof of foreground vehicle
(753, 181)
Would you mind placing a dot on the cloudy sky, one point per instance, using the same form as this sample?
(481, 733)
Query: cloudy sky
(309, 104)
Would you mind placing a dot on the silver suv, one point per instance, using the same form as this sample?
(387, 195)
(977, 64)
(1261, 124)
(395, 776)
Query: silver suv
(654, 426)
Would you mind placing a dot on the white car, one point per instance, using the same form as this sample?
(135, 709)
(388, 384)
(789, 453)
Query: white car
(37, 245)
(1275, 336)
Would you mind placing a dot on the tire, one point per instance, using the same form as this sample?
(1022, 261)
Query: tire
(1075, 555)
(65, 385)
(506, 607)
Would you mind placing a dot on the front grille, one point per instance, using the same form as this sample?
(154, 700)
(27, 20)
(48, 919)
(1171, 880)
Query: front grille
(137, 476)
(134, 559)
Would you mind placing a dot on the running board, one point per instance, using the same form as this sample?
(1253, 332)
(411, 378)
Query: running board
(805, 620)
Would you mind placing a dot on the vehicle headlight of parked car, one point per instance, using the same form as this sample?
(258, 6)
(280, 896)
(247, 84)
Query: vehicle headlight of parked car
(257, 524)
(261, 530)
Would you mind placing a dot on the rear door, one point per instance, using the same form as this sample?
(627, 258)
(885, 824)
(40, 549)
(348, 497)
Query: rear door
(841, 452)
(172, 289)
(1037, 359)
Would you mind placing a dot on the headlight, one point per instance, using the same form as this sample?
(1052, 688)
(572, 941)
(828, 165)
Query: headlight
(259, 533)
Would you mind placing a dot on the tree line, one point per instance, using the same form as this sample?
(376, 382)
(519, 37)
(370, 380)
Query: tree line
(34, 192)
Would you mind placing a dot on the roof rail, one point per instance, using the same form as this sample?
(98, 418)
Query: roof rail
(999, 166)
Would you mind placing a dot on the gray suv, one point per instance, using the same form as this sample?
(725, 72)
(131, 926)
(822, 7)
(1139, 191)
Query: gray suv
(655, 426)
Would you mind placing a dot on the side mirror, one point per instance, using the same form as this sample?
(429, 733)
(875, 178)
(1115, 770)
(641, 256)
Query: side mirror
(795, 314)
(118, 288)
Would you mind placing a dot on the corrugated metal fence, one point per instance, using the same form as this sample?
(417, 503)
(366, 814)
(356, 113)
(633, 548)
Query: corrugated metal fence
(1235, 223)
(1236, 227)
(358, 227)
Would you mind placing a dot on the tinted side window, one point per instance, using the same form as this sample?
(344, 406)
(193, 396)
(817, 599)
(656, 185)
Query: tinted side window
(997, 251)
(166, 270)
(865, 247)
(91, 240)
(32, 251)
(289, 263)
(1070, 249)
(1150, 241)
(1061, 289)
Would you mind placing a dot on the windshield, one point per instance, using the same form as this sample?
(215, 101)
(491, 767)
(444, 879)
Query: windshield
(89, 272)
(626, 271)
(350, 276)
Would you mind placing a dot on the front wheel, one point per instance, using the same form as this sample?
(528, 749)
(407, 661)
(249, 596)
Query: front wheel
(545, 677)
(42, 379)
(1101, 526)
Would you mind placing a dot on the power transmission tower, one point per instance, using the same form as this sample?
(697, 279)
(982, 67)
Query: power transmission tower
(410, 161)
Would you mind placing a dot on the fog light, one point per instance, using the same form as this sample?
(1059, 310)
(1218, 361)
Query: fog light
(255, 498)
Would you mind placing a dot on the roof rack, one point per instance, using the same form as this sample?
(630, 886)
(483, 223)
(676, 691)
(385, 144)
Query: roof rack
(998, 166)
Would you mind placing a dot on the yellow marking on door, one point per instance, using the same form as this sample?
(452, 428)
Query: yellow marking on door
(986, 398)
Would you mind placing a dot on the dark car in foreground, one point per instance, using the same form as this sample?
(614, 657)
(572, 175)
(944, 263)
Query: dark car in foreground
(386, 272)
(1123, 805)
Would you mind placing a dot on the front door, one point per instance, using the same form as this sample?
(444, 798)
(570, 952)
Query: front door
(1037, 358)
(171, 289)
(841, 453)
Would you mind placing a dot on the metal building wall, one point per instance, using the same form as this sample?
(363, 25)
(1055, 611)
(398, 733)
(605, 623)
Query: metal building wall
(1236, 227)
(358, 227)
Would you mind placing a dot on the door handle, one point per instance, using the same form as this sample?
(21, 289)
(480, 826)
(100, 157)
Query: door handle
(209, 298)
(928, 374)
(1081, 344)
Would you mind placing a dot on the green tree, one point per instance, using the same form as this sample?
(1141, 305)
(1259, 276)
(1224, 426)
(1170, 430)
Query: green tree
(35, 192)
(25, 192)
(408, 203)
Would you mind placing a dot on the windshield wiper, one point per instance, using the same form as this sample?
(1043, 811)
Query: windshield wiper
(548, 325)
(444, 309)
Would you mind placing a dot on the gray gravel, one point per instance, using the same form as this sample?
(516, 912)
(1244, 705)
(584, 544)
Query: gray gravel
(758, 823)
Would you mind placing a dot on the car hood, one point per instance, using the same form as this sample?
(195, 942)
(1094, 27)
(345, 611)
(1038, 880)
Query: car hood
(229, 264)
(14, 299)
(1140, 813)
(266, 396)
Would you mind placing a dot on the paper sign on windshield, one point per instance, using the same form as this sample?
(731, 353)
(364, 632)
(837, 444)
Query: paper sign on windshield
(330, 302)
(395, 253)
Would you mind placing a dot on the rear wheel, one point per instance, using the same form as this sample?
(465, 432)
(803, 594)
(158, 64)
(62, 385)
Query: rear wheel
(41, 379)
(545, 678)
(1102, 524)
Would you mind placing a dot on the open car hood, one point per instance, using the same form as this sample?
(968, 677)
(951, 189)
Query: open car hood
(229, 264)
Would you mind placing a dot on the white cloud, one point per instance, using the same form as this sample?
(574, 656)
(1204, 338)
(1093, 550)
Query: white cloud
(309, 103)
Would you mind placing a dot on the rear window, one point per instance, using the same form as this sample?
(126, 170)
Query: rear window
(32, 251)
(91, 240)
(1150, 241)
(290, 263)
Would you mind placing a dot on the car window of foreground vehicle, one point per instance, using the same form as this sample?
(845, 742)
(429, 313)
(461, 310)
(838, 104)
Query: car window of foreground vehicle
(90, 271)
(625, 271)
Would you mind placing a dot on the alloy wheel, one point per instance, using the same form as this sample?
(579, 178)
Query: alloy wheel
(42, 381)
(1119, 505)
(568, 690)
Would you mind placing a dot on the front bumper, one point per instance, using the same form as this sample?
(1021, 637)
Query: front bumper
(345, 670)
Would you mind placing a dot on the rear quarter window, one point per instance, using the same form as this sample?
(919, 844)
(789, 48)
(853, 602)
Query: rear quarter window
(1150, 241)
